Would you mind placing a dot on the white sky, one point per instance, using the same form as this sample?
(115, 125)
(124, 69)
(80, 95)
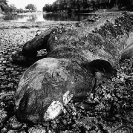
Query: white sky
(22, 3)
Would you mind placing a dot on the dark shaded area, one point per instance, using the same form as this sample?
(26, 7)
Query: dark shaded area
(100, 66)
(65, 17)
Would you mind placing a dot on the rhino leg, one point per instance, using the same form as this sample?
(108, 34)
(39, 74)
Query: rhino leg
(28, 55)
(39, 42)
(99, 68)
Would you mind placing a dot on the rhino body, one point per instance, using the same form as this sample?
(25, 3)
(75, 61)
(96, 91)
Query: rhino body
(75, 53)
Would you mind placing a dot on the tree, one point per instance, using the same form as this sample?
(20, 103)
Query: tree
(20, 10)
(12, 8)
(4, 6)
(31, 7)
(3, 1)
(47, 8)
(86, 5)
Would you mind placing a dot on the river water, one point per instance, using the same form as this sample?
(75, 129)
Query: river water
(39, 16)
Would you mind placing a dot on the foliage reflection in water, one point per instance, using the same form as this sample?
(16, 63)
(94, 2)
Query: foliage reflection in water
(34, 17)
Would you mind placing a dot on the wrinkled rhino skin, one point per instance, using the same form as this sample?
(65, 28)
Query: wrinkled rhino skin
(46, 81)
(49, 79)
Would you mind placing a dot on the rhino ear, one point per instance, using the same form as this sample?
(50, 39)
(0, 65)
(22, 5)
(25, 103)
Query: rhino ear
(101, 66)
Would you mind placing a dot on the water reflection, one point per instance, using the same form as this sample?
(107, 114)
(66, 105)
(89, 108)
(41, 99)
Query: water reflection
(45, 17)
(12, 17)
(32, 18)
(65, 17)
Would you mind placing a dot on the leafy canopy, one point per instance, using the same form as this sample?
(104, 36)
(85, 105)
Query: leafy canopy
(31, 7)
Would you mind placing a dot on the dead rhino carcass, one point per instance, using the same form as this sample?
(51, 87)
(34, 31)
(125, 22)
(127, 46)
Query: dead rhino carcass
(49, 84)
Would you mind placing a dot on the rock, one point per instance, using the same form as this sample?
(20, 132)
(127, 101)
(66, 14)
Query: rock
(42, 52)
(1, 59)
(4, 130)
(37, 130)
(14, 124)
(4, 62)
(3, 116)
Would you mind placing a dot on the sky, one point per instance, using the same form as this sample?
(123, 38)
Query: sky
(22, 3)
